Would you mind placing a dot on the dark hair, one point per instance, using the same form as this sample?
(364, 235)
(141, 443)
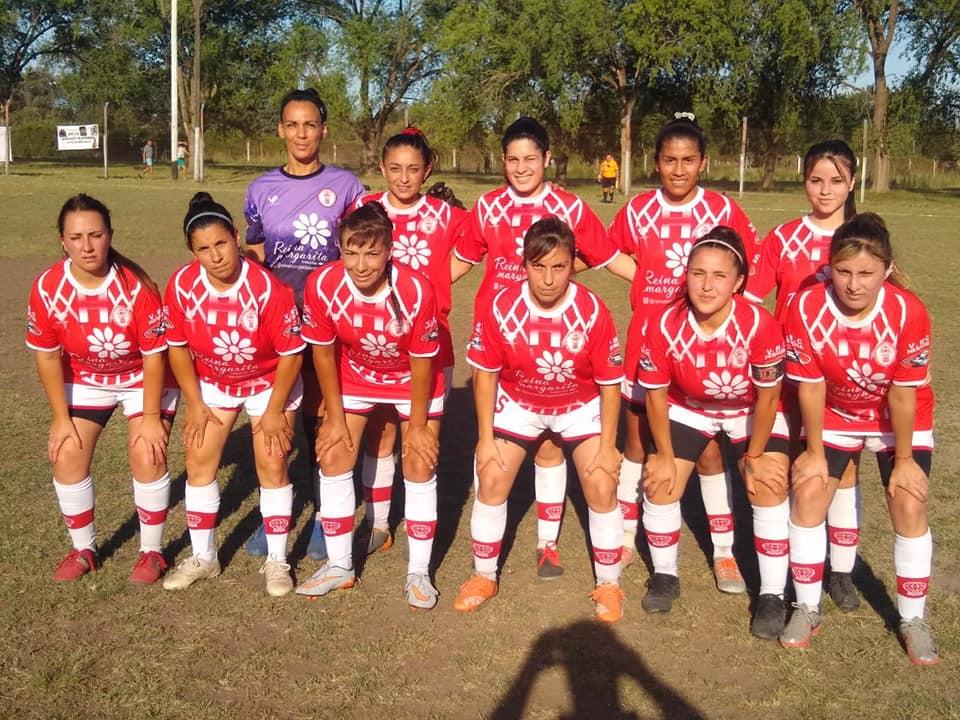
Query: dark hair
(526, 128)
(308, 95)
(725, 238)
(85, 203)
(843, 159)
(413, 138)
(868, 233)
(203, 212)
(681, 127)
(545, 236)
(368, 225)
(440, 190)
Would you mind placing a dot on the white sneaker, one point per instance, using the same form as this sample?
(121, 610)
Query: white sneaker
(326, 579)
(421, 594)
(277, 577)
(189, 571)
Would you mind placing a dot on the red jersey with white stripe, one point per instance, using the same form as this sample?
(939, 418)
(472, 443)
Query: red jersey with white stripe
(237, 335)
(713, 374)
(373, 344)
(550, 361)
(423, 238)
(103, 332)
(860, 359)
(794, 256)
(498, 222)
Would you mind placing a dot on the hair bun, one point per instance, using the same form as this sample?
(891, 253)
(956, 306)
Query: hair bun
(201, 197)
(411, 130)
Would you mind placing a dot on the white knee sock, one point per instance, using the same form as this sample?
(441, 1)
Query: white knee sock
(606, 534)
(808, 552)
(276, 507)
(628, 495)
(76, 506)
(202, 504)
(771, 535)
(661, 525)
(152, 500)
(550, 485)
(715, 490)
(338, 501)
(420, 511)
(377, 478)
(843, 529)
(912, 558)
(487, 525)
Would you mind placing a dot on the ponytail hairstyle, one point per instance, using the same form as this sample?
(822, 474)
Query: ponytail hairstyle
(683, 126)
(413, 138)
(526, 128)
(545, 236)
(867, 233)
(370, 225)
(725, 238)
(308, 95)
(85, 203)
(843, 159)
(203, 212)
(441, 191)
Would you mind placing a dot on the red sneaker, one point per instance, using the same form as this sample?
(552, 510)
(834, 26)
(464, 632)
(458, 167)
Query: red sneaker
(75, 565)
(150, 566)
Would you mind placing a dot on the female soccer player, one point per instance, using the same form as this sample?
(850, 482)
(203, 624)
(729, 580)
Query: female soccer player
(859, 349)
(547, 360)
(712, 363)
(96, 323)
(234, 336)
(495, 228)
(658, 228)
(375, 334)
(293, 218)
(794, 256)
(425, 229)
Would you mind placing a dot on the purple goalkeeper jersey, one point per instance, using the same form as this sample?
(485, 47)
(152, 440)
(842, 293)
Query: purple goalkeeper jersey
(297, 219)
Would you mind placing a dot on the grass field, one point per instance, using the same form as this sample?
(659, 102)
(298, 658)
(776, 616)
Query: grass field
(104, 648)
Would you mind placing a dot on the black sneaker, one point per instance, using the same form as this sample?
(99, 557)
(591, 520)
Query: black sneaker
(662, 590)
(769, 617)
(843, 592)
(548, 562)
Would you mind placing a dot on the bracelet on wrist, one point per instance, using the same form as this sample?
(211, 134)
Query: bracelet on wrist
(903, 457)
(753, 457)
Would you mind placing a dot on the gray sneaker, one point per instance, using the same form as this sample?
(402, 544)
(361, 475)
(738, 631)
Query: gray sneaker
(842, 591)
(189, 571)
(421, 594)
(380, 540)
(327, 579)
(804, 623)
(919, 642)
(277, 577)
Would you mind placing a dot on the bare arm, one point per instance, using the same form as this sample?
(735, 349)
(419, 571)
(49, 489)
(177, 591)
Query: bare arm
(62, 429)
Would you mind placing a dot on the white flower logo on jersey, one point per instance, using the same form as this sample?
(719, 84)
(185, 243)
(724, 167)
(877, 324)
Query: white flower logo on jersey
(231, 346)
(104, 344)
(864, 376)
(378, 345)
(677, 257)
(412, 251)
(725, 386)
(519, 241)
(311, 230)
(553, 367)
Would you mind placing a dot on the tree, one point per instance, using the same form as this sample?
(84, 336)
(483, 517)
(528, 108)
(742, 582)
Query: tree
(934, 29)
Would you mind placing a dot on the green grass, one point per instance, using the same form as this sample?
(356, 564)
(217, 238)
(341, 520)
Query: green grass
(104, 648)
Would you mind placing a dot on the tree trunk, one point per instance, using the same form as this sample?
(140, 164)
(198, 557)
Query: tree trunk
(628, 99)
(880, 32)
(881, 154)
(769, 181)
(561, 160)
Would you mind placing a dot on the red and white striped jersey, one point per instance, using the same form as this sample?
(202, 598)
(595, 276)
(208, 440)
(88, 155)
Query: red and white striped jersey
(103, 332)
(860, 359)
(423, 238)
(374, 345)
(549, 361)
(794, 255)
(714, 374)
(499, 220)
(236, 336)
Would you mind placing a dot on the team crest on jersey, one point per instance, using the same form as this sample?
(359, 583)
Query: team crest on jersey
(157, 323)
(121, 316)
(738, 357)
(702, 229)
(427, 225)
(574, 341)
(327, 197)
(475, 343)
(249, 320)
(398, 326)
(645, 363)
(432, 331)
(921, 359)
(885, 353)
(291, 322)
(32, 323)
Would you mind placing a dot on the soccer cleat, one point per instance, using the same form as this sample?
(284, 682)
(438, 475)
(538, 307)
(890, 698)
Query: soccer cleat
(843, 592)
(804, 623)
(727, 574)
(662, 590)
(918, 640)
(276, 574)
(75, 565)
(421, 594)
(149, 568)
(327, 579)
(189, 571)
(474, 593)
(317, 547)
(380, 540)
(769, 617)
(256, 544)
(548, 562)
(628, 557)
(609, 599)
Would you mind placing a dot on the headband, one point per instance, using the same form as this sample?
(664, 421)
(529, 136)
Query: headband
(207, 213)
(728, 246)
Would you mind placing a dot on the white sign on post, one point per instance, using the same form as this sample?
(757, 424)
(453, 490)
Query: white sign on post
(78, 137)
(4, 145)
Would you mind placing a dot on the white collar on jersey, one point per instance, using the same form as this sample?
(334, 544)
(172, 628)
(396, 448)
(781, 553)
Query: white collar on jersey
(721, 328)
(532, 199)
(814, 228)
(555, 311)
(204, 278)
(111, 274)
(844, 319)
(380, 295)
(393, 210)
(661, 198)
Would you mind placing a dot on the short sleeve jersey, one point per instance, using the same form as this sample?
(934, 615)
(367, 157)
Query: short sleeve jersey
(103, 332)
(423, 238)
(859, 360)
(609, 169)
(713, 374)
(549, 361)
(498, 222)
(794, 255)
(373, 344)
(297, 219)
(236, 336)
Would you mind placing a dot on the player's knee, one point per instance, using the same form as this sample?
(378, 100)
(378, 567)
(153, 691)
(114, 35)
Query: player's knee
(710, 461)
